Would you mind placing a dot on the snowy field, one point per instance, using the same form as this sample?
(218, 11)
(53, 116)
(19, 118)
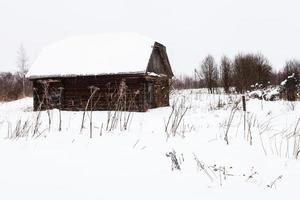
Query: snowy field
(222, 152)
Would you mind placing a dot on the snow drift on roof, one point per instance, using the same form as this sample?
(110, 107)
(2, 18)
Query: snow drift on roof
(94, 55)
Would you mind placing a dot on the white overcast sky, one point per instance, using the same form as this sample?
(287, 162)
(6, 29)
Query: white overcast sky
(190, 29)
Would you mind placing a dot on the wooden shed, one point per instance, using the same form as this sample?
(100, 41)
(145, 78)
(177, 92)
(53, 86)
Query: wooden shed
(123, 71)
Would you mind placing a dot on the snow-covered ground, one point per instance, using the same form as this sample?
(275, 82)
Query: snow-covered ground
(259, 161)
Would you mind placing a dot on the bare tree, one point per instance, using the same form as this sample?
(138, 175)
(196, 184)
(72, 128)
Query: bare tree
(208, 72)
(263, 68)
(226, 73)
(23, 65)
(250, 69)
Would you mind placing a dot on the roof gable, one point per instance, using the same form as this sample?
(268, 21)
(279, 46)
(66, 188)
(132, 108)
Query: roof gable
(159, 61)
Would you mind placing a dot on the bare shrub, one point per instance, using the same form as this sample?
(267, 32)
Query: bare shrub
(175, 164)
(30, 127)
(22, 129)
(176, 116)
(37, 119)
(262, 128)
(296, 138)
(217, 105)
(250, 122)
(285, 142)
(46, 101)
(230, 120)
(121, 102)
(273, 183)
(202, 166)
(93, 91)
(185, 128)
(291, 105)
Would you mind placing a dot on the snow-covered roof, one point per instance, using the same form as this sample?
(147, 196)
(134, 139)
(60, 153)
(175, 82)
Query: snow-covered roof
(93, 55)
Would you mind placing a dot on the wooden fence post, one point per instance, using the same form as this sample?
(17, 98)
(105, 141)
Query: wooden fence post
(244, 103)
(244, 109)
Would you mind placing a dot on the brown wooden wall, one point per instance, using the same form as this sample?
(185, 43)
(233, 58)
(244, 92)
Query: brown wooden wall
(113, 92)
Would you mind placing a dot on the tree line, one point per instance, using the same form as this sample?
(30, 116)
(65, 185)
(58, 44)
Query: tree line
(241, 73)
(15, 85)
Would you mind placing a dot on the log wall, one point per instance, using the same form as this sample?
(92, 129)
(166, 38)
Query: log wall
(110, 92)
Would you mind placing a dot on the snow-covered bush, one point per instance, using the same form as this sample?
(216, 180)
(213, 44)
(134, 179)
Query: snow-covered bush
(268, 94)
(290, 89)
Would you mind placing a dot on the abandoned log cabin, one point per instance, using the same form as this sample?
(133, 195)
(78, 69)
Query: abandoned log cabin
(124, 71)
